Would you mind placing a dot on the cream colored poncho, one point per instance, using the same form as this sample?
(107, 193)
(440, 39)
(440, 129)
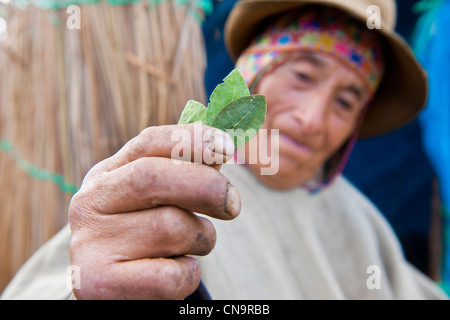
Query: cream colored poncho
(284, 245)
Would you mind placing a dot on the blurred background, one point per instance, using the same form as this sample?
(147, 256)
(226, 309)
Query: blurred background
(405, 173)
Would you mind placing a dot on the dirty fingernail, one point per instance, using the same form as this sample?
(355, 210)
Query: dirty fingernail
(232, 202)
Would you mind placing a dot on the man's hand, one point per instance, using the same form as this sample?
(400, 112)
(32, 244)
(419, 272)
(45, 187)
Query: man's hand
(133, 223)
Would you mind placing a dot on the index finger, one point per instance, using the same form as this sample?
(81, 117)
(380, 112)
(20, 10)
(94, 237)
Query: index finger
(190, 142)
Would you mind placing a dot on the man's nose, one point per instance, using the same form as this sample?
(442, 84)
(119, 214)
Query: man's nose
(311, 114)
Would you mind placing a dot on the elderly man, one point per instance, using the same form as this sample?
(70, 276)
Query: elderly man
(303, 232)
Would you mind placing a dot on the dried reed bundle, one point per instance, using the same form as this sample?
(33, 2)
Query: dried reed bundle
(71, 98)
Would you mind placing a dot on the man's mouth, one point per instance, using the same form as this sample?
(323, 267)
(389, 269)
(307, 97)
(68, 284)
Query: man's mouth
(295, 145)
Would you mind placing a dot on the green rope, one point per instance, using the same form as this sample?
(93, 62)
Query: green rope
(34, 171)
(59, 4)
(195, 7)
(204, 5)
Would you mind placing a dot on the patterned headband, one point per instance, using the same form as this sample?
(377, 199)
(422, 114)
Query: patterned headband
(321, 30)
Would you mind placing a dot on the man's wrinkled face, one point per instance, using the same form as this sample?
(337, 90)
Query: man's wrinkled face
(315, 101)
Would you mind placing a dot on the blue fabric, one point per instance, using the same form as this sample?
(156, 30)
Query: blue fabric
(432, 47)
(219, 63)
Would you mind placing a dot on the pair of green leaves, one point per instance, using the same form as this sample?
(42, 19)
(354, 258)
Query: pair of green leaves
(231, 108)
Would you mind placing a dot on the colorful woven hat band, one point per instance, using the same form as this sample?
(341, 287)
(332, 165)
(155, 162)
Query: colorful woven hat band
(320, 29)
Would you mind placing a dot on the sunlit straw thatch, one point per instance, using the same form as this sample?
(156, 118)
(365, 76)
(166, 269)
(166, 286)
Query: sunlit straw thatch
(70, 98)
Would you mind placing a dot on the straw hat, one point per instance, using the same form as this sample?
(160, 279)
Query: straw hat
(403, 90)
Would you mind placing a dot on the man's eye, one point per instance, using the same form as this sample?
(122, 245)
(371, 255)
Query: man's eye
(303, 77)
(344, 104)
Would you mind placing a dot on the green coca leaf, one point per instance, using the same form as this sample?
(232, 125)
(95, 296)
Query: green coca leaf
(232, 88)
(193, 112)
(242, 118)
(231, 109)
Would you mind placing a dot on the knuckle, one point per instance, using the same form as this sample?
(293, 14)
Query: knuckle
(175, 282)
(146, 131)
(140, 176)
(180, 232)
(77, 206)
(136, 147)
(168, 227)
(172, 278)
(81, 210)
